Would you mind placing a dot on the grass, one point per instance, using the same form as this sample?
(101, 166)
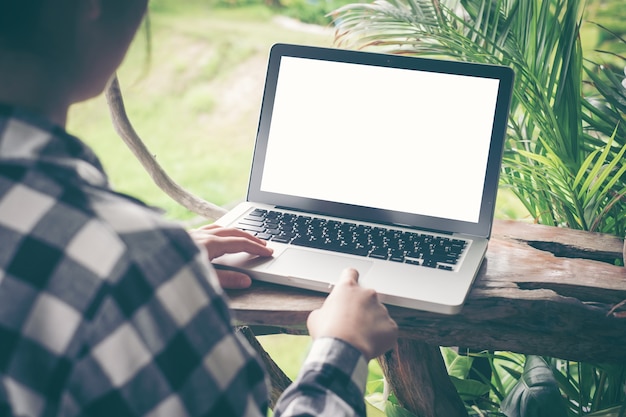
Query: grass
(194, 101)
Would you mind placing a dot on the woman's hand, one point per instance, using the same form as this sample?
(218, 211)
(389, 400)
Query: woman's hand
(219, 240)
(354, 314)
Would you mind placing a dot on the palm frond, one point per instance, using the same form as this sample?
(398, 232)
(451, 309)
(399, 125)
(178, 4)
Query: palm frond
(558, 133)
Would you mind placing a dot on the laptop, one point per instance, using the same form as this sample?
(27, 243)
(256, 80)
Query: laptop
(384, 163)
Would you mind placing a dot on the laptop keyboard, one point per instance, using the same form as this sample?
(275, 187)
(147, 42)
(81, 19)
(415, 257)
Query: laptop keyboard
(356, 239)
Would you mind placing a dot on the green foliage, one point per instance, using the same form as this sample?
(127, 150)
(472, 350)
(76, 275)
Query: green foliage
(312, 11)
(587, 389)
(536, 393)
(194, 101)
(459, 367)
(175, 6)
(481, 393)
(307, 11)
(590, 389)
(567, 128)
(380, 402)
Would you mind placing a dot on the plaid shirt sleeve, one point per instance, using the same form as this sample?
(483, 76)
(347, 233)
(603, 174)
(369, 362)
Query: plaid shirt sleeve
(331, 383)
(165, 349)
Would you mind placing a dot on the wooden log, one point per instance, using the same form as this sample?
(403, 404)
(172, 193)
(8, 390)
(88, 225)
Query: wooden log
(567, 243)
(419, 379)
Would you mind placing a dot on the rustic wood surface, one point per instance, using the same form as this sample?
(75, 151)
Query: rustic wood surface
(421, 385)
(541, 290)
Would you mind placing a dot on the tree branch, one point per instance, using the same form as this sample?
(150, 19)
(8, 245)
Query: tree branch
(125, 130)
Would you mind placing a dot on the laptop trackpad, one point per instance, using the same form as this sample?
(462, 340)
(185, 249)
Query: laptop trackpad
(297, 263)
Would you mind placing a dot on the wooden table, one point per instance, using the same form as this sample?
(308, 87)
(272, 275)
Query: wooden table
(541, 290)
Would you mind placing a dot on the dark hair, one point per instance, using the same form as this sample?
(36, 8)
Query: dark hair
(19, 21)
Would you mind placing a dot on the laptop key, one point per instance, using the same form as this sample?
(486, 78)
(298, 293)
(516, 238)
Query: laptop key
(280, 239)
(250, 228)
(396, 256)
(379, 253)
(430, 263)
(413, 261)
(250, 222)
(258, 213)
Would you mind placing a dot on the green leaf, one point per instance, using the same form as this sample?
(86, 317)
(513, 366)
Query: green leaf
(460, 366)
(609, 412)
(536, 394)
(449, 355)
(376, 400)
(393, 410)
(469, 389)
(375, 386)
(372, 411)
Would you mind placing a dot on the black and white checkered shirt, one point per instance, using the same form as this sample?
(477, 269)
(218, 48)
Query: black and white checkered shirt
(107, 309)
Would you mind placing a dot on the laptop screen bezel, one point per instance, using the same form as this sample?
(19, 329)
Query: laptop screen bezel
(481, 228)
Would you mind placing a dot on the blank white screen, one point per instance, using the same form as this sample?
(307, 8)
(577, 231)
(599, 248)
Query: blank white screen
(388, 138)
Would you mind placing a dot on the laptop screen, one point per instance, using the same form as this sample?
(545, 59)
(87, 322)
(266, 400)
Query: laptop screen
(384, 138)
